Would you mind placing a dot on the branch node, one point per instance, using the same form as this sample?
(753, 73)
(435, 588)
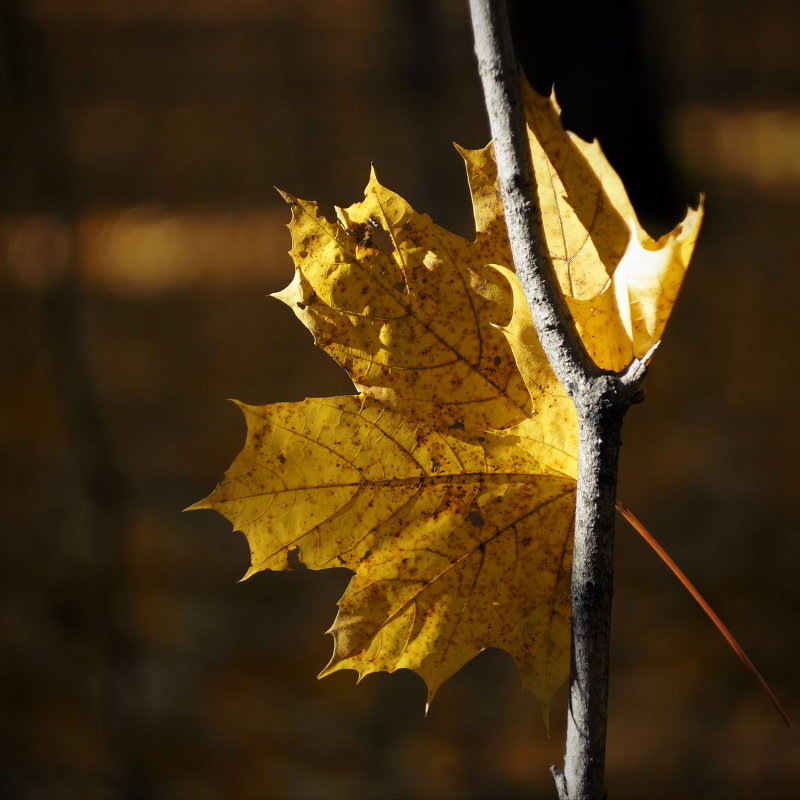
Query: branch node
(635, 372)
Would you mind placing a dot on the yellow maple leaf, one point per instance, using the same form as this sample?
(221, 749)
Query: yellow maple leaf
(458, 542)
(619, 282)
(414, 327)
(447, 484)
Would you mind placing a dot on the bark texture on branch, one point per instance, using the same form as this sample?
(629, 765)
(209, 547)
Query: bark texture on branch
(499, 73)
(601, 399)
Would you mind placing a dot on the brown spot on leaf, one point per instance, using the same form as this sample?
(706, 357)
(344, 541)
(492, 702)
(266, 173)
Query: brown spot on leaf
(360, 232)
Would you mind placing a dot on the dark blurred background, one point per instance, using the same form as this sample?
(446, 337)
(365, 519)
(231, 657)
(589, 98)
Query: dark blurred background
(139, 237)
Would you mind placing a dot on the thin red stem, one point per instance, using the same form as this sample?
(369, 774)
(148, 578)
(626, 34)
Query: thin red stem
(690, 587)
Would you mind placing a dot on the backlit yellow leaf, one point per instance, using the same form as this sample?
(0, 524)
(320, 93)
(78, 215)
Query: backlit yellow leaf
(551, 432)
(380, 312)
(619, 282)
(447, 484)
(459, 543)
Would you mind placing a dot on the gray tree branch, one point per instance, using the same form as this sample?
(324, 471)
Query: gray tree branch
(499, 73)
(600, 397)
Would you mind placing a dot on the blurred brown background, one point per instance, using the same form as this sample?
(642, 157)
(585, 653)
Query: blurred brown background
(139, 237)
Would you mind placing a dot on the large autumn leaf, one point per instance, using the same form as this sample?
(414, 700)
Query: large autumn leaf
(447, 484)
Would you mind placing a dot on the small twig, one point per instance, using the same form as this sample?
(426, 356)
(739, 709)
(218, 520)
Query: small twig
(635, 372)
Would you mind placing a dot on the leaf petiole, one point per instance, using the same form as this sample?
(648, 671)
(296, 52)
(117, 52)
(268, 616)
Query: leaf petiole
(690, 587)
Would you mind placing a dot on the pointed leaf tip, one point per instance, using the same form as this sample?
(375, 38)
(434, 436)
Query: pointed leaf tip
(290, 199)
(372, 181)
